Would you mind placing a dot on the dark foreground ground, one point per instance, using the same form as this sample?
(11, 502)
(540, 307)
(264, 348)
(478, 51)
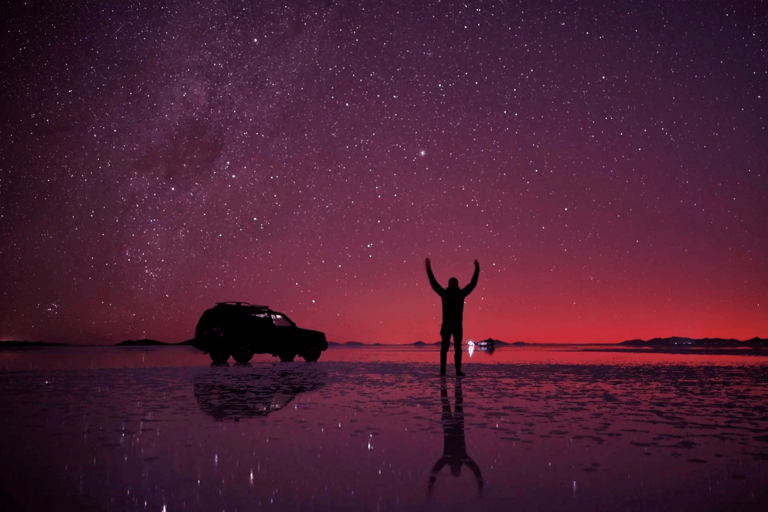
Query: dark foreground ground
(377, 429)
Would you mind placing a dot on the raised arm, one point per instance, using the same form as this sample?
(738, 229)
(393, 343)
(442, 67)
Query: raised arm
(472, 465)
(440, 464)
(471, 286)
(432, 281)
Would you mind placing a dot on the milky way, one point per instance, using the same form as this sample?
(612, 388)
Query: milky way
(606, 165)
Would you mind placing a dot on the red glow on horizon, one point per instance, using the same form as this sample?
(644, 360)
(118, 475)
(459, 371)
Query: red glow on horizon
(610, 181)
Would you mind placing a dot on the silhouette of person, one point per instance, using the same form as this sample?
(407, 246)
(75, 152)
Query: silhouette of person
(453, 312)
(454, 444)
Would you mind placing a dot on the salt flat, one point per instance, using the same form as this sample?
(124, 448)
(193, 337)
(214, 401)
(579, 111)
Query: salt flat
(378, 429)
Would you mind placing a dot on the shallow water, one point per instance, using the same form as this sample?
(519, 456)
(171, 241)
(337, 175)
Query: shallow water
(378, 429)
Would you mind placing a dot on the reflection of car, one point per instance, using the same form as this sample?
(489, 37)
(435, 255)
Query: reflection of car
(488, 345)
(246, 392)
(240, 329)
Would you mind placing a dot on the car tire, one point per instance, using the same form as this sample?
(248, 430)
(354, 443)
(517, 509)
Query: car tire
(312, 354)
(242, 353)
(219, 356)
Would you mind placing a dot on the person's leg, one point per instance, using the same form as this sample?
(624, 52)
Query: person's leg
(458, 334)
(445, 343)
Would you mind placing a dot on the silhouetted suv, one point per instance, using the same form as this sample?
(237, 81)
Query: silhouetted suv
(239, 329)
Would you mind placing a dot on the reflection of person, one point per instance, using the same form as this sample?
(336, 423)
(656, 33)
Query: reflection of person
(453, 312)
(454, 445)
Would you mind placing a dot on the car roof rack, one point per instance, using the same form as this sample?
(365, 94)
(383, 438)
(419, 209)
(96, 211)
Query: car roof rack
(241, 303)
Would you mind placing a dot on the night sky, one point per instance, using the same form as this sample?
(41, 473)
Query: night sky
(607, 164)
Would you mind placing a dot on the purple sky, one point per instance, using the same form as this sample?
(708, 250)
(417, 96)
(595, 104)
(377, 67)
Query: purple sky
(606, 164)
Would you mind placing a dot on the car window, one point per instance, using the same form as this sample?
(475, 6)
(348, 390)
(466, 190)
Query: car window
(281, 321)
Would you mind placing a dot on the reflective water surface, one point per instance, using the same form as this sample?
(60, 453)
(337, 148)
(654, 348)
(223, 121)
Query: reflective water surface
(378, 429)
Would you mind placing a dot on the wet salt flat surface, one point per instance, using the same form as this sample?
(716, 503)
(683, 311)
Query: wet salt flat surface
(378, 429)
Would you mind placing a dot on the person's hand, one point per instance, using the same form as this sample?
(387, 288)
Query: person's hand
(477, 265)
(428, 262)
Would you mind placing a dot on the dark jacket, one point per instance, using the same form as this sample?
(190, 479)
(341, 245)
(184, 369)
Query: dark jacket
(453, 298)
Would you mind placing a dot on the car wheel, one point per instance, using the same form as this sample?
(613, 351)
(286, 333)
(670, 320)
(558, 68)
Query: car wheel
(215, 344)
(242, 353)
(286, 357)
(312, 354)
(219, 356)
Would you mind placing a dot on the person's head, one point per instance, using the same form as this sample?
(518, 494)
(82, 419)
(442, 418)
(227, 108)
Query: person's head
(456, 469)
(453, 283)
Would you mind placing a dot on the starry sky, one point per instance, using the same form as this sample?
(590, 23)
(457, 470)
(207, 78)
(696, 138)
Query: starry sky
(605, 162)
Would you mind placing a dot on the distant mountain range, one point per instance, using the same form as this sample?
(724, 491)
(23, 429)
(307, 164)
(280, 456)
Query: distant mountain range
(491, 341)
(127, 343)
(150, 343)
(674, 342)
(141, 343)
(678, 342)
